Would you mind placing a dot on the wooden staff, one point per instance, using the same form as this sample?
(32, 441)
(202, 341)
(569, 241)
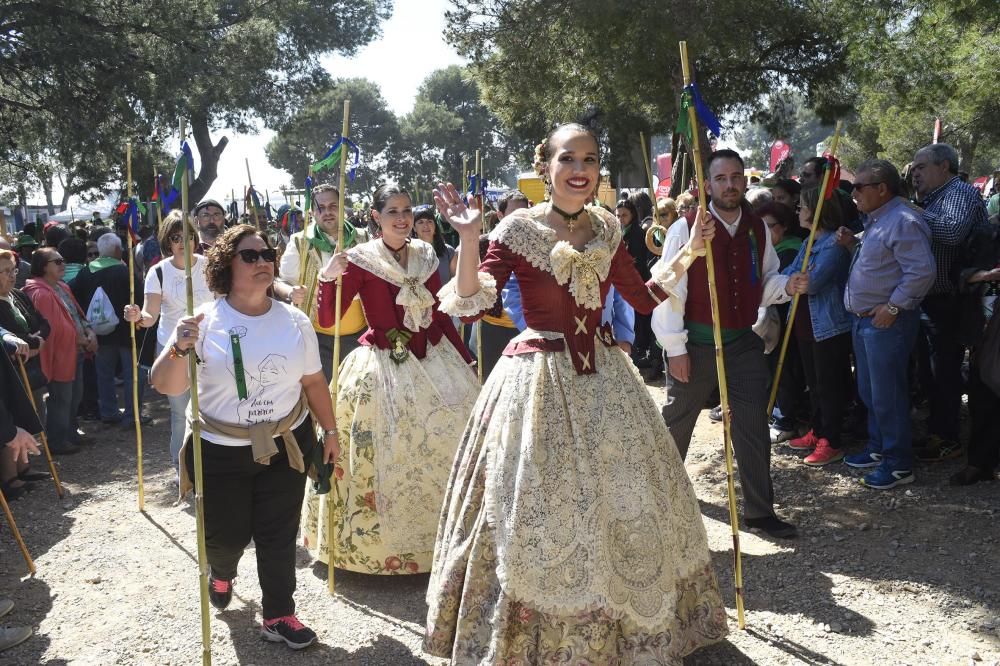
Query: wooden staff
(651, 232)
(720, 367)
(479, 324)
(805, 267)
(250, 192)
(199, 475)
(131, 328)
(331, 537)
(304, 264)
(17, 534)
(45, 440)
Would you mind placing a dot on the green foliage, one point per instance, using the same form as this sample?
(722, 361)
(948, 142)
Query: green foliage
(786, 117)
(542, 63)
(307, 135)
(133, 69)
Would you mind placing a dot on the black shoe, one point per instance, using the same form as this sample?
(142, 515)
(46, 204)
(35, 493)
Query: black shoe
(772, 526)
(715, 414)
(220, 592)
(289, 630)
(970, 475)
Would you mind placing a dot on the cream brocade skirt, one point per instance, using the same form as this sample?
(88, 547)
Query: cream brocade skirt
(571, 532)
(399, 426)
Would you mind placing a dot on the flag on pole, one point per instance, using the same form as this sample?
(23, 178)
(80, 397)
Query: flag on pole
(309, 193)
(833, 166)
(185, 162)
(267, 207)
(692, 97)
(162, 194)
(130, 212)
(333, 156)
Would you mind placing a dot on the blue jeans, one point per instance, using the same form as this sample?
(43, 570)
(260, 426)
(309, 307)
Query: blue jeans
(883, 356)
(108, 356)
(57, 416)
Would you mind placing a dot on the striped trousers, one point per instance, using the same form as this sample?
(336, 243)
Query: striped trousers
(747, 379)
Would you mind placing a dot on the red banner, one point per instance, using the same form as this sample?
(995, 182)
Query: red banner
(779, 151)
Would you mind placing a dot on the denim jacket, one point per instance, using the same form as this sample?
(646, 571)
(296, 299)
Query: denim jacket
(828, 269)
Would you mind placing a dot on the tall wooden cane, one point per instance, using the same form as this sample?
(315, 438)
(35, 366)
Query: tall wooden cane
(720, 367)
(131, 328)
(45, 440)
(199, 474)
(805, 267)
(331, 537)
(479, 324)
(17, 534)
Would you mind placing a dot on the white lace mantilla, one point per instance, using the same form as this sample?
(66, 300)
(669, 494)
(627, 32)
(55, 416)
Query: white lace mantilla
(416, 300)
(525, 232)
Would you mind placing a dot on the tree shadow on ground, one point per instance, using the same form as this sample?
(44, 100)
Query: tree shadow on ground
(32, 602)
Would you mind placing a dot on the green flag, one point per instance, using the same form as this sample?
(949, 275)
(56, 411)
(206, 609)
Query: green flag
(330, 160)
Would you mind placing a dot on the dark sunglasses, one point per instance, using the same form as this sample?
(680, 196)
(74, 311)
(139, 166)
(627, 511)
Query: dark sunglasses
(860, 186)
(58, 262)
(269, 255)
(176, 238)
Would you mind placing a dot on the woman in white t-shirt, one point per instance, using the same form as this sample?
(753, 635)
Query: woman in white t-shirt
(166, 300)
(259, 377)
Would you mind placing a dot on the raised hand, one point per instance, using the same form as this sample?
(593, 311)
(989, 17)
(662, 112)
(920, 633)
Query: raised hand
(466, 220)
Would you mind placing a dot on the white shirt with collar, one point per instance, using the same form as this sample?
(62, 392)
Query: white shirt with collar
(668, 321)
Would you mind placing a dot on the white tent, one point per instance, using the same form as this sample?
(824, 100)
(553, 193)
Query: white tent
(84, 212)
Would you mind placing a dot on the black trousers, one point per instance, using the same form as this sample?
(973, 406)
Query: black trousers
(645, 341)
(747, 379)
(246, 500)
(984, 431)
(940, 323)
(828, 374)
(495, 339)
(348, 343)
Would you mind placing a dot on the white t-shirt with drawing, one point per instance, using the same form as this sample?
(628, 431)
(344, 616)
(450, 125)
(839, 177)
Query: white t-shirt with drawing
(277, 348)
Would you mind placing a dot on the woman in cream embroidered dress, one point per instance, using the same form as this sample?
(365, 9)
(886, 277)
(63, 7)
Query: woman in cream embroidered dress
(403, 398)
(570, 531)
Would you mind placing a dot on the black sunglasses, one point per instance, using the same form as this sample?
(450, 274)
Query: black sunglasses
(860, 186)
(58, 262)
(176, 238)
(269, 255)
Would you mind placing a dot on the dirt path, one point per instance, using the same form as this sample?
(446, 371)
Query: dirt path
(903, 577)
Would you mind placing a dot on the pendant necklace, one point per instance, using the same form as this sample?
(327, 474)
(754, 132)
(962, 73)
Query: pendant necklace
(397, 252)
(569, 218)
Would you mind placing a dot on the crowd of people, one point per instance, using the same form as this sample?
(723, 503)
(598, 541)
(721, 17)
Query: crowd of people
(531, 498)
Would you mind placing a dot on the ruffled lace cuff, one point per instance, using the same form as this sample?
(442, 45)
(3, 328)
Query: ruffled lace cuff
(470, 306)
(665, 276)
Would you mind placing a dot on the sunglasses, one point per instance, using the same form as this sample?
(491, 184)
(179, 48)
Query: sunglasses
(58, 262)
(269, 255)
(857, 187)
(176, 238)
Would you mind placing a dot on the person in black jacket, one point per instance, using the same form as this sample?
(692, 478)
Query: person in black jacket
(18, 420)
(634, 239)
(110, 273)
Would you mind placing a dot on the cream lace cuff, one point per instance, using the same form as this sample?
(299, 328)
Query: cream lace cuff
(469, 306)
(666, 277)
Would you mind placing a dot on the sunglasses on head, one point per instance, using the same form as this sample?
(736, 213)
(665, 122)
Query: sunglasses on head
(269, 255)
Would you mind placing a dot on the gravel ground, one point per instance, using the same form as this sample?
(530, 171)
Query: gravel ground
(899, 577)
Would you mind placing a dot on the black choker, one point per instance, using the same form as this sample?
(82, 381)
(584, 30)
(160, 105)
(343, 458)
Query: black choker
(569, 218)
(396, 252)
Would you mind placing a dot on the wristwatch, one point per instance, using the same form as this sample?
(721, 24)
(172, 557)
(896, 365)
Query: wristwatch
(329, 432)
(893, 310)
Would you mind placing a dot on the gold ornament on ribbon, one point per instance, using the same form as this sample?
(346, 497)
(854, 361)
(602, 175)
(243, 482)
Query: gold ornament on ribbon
(584, 271)
(399, 339)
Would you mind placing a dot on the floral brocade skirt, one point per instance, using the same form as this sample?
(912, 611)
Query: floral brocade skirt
(571, 532)
(399, 426)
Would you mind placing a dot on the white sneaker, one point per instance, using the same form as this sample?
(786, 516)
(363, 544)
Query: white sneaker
(779, 436)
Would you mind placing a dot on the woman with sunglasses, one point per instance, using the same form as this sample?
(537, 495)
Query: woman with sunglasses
(165, 301)
(403, 398)
(259, 378)
(70, 334)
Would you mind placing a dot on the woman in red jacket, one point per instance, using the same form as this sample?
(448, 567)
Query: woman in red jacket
(70, 335)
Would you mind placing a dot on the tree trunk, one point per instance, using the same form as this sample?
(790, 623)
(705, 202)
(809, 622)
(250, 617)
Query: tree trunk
(209, 154)
(967, 144)
(47, 189)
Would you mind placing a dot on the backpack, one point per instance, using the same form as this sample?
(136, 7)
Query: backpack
(101, 313)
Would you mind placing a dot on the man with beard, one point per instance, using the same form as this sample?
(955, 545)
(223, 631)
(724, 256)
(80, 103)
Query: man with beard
(211, 217)
(746, 278)
(317, 243)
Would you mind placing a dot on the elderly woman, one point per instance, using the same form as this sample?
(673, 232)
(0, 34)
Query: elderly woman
(70, 336)
(165, 300)
(19, 317)
(259, 378)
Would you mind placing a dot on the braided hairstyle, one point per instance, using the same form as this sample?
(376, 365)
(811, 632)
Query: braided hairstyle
(543, 153)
